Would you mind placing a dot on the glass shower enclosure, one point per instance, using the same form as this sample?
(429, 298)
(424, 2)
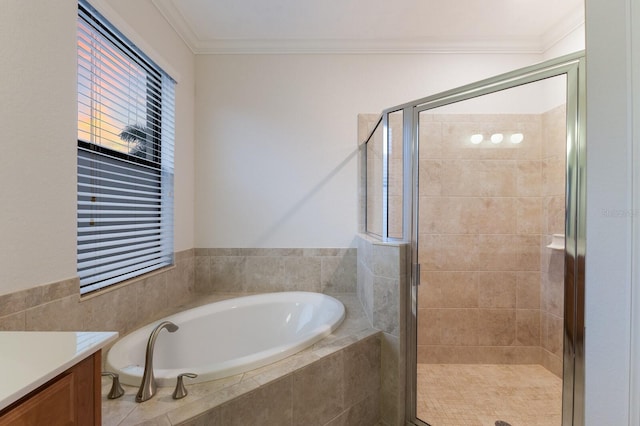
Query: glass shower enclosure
(485, 183)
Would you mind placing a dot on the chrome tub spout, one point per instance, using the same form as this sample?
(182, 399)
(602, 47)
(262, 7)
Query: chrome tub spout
(148, 385)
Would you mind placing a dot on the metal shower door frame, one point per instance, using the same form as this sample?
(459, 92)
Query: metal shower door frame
(572, 66)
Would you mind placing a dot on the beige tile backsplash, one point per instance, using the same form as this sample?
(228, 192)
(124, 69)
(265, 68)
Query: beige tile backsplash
(122, 308)
(125, 307)
(490, 289)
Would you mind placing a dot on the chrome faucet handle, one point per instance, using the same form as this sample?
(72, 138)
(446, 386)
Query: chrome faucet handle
(181, 391)
(116, 389)
(148, 384)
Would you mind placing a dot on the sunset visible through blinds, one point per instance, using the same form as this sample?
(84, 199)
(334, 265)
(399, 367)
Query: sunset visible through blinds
(117, 101)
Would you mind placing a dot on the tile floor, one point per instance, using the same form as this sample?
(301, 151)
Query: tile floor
(481, 395)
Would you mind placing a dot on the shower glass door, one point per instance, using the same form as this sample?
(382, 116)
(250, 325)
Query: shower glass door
(494, 316)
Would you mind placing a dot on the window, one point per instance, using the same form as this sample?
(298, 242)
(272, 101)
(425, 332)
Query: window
(125, 157)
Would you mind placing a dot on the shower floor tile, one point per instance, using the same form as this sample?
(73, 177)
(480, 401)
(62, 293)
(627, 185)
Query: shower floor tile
(481, 395)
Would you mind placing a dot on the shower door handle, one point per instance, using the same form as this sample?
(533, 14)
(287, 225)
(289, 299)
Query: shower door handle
(416, 273)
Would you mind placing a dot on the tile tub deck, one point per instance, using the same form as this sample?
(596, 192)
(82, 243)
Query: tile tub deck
(354, 395)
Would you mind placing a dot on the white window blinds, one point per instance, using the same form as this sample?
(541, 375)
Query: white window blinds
(125, 157)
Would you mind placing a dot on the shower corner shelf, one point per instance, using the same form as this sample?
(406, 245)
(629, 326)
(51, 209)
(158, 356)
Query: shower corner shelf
(557, 242)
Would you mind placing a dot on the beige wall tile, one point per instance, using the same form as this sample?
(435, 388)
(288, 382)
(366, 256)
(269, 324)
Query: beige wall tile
(181, 281)
(467, 215)
(203, 274)
(13, 322)
(392, 386)
(496, 289)
(386, 260)
(430, 137)
(430, 177)
(528, 290)
(444, 289)
(450, 252)
(479, 178)
(552, 363)
(529, 215)
(386, 304)
(496, 327)
(58, 315)
(227, 273)
(302, 273)
(13, 302)
(529, 178)
(151, 298)
(531, 146)
(338, 274)
(264, 273)
(364, 413)
(503, 238)
(318, 391)
(554, 130)
(260, 406)
(100, 313)
(553, 176)
(448, 327)
(361, 370)
(528, 327)
(479, 354)
(499, 253)
(555, 214)
(552, 333)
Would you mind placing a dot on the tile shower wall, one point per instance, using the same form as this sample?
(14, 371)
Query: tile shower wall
(325, 270)
(552, 261)
(480, 225)
(485, 211)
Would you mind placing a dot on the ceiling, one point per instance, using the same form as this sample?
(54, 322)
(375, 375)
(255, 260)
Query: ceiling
(371, 26)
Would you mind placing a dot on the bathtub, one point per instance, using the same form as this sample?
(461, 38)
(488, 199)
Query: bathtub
(228, 337)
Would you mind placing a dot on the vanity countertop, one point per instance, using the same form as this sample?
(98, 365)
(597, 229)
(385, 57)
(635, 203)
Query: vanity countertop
(29, 359)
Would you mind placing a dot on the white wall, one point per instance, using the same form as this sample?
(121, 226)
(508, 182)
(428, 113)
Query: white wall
(276, 138)
(570, 43)
(38, 120)
(609, 189)
(38, 117)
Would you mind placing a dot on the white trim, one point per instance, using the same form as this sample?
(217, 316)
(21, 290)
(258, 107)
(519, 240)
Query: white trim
(563, 29)
(344, 46)
(634, 367)
(117, 21)
(178, 22)
(524, 45)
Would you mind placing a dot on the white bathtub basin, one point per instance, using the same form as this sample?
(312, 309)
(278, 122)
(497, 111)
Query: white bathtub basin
(228, 337)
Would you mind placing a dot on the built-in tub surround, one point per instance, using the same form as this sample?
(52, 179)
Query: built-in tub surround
(382, 282)
(128, 306)
(228, 337)
(321, 270)
(334, 382)
(122, 308)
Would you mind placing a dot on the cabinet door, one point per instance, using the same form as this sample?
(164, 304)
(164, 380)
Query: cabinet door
(72, 398)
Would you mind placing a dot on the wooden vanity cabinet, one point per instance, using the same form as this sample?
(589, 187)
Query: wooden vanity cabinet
(71, 398)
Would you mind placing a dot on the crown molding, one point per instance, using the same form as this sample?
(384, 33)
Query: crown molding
(524, 45)
(347, 46)
(563, 28)
(178, 22)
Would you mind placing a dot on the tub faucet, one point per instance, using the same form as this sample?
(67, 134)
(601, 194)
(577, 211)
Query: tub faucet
(148, 385)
